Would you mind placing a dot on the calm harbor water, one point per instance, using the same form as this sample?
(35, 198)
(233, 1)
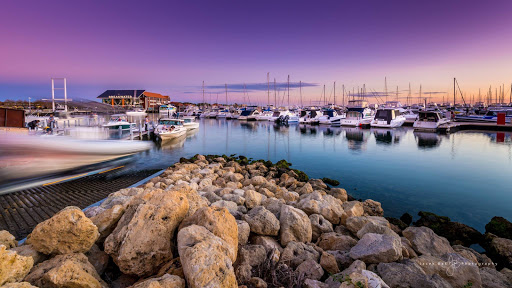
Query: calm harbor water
(466, 175)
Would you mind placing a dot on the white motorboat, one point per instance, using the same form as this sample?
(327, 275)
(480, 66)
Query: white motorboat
(24, 156)
(169, 128)
(311, 117)
(136, 112)
(190, 123)
(265, 115)
(253, 116)
(168, 110)
(410, 116)
(429, 121)
(280, 114)
(222, 113)
(329, 116)
(119, 121)
(388, 118)
(490, 116)
(357, 114)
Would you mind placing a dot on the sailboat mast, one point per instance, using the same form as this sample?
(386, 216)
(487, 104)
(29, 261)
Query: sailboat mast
(268, 89)
(300, 89)
(226, 94)
(325, 98)
(386, 87)
(409, 96)
(397, 93)
(203, 92)
(334, 93)
(275, 95)
(288, 90)
(343, 99)
(454, 92)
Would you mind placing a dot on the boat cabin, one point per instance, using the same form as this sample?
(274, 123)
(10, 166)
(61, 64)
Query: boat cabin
(170, 122)
(386, 115)
(429, 116)
(118, 118)
(357, 104)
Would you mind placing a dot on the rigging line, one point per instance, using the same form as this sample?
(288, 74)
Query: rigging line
(460, 92)
(376, 95)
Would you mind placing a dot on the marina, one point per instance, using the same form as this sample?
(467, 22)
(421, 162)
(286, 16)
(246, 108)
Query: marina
(255, 144)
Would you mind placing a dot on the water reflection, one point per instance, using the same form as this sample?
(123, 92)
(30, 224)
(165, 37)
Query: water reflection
(356, 137)
(427, 140)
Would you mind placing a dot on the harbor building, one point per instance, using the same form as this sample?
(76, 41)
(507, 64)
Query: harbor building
(148, 100)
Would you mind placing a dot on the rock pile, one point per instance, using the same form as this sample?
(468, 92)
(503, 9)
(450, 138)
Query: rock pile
(224, 222)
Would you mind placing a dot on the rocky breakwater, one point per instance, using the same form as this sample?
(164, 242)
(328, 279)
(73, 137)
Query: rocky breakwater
(227, 222)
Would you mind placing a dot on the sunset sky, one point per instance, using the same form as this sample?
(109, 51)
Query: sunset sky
(170, 47)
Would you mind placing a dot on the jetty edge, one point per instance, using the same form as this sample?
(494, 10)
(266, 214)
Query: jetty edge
(227, 221)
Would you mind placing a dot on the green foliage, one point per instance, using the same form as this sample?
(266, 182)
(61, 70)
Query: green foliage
(469, 284)
(303, 177)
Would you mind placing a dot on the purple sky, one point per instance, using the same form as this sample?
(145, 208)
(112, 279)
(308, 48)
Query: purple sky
(170, 47)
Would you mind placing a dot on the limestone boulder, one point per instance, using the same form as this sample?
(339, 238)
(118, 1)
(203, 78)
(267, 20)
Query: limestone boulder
(377, 248)
(339, 193)
(353, 209)
(501, 249)
(452, 267)
(319, 225)
(218, 221)
(13, 267)
(425, 241)
(253, 198)
(243, 232)
(107, 219)
(374, 281)
(328, 263)
(68, 231)
(205, 258)
(310, 269)
(258, 180)
(141, 241)
(354, 224)
(306, 189)
(68, 270)
(18, 285)
(323, 204)
(492, 278)
(335, 241)
(166, 281)
(297, 252)
(98, 258)
(229, 205)
(266, 241)
(409, 274)
(29, 251)
(294, 225)
(262, 221)
(7, 239)
(371, 227)
(372, 208)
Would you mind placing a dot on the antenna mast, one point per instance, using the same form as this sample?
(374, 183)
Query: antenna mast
(268, 89)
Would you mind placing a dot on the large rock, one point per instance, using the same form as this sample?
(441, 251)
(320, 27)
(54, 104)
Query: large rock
(377, 248)
(500, 227)
(374, 281)
(371, 227)
(325, 205)
(501, 250)
(328, 262)
(69, 270)
(13, 267)
(99, 259)
(68, 231)
(354, 224)
(205, 258)
(297, 252)
(253, 198)
(335, 241)
(7, 239)
(262, 221)
(107, 219)
(372, 208)
(339, 193)
(243, 232)
(166, 281)
(218, 221)
(425, 241)
(352, 209)
(142, 240)
(455, 232)
(29, 251)
(195, 201)
(319, 226)
(310, 269)
(295, 225)
(409, 274)
(493, 279)
(452, 267)
(266, 241)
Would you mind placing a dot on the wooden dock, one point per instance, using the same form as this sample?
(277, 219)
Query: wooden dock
(453, 127)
